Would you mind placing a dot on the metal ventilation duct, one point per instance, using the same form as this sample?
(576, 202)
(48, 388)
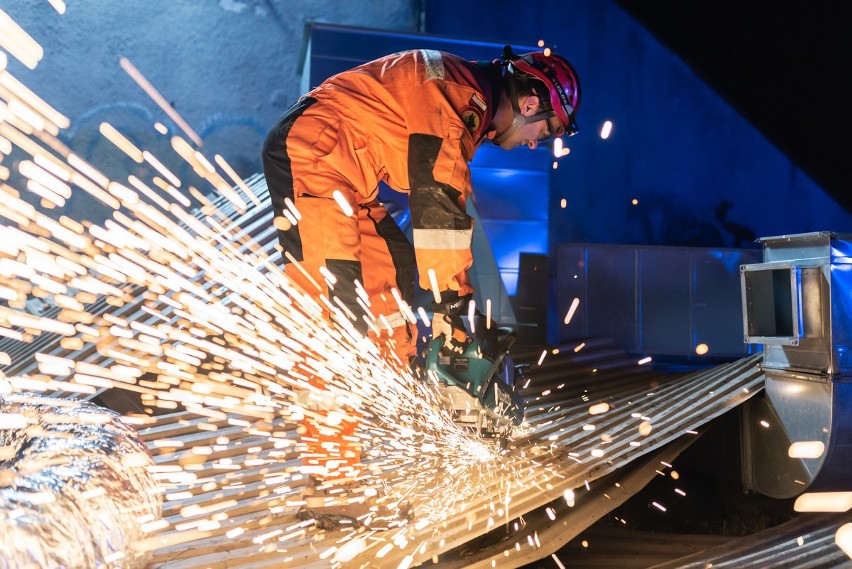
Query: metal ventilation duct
(798, 304)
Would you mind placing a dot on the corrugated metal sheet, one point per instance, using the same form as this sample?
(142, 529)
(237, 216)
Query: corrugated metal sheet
(555, 457)
(808, 541)
(622, 548)
(234, 502)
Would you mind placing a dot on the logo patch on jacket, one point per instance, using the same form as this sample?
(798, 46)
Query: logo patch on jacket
(471, 118)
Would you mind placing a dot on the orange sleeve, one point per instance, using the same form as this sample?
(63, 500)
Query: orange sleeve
(439, 149)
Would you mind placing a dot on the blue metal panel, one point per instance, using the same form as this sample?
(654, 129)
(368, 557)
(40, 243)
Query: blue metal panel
(716, 305)
(662, 301)
(612, 294)
(665, 300)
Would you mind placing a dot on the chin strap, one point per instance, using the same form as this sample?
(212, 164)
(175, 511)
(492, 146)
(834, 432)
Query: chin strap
(518, 120)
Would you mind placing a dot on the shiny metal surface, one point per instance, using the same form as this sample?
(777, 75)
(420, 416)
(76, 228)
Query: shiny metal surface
(798, 304)
(770, 298)
(804, 541)
(802, 404)
(74, 486)
(799, 246)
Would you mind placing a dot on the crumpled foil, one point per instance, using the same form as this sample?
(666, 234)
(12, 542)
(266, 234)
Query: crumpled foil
(74, 485)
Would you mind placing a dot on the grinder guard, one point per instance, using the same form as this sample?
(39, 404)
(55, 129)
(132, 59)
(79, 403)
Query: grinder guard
(479, 385)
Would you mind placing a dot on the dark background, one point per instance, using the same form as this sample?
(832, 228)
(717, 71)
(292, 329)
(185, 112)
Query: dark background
(785, 65)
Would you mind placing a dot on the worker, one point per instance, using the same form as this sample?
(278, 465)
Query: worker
(412, 120)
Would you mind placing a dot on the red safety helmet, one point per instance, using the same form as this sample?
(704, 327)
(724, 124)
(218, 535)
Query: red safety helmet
(558, 76)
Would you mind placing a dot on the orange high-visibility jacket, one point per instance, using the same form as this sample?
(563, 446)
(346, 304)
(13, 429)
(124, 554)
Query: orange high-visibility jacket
(417, 118)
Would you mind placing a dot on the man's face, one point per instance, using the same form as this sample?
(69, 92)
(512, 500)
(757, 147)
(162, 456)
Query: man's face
(528, 135)
(534, 133)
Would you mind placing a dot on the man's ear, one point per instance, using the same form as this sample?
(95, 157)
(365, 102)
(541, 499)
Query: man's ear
(529, 105)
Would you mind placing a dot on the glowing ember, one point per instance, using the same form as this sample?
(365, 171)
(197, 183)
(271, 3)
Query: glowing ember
(824, 502)
(806, 449)
(573, 308)
(843, 539)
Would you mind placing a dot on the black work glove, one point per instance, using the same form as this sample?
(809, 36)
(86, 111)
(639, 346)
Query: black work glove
(447, 322)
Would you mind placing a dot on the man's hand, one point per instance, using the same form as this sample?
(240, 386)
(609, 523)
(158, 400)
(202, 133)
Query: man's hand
(451, 327)
(447, 322)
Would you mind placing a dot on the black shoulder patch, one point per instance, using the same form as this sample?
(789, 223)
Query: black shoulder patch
(472, 118)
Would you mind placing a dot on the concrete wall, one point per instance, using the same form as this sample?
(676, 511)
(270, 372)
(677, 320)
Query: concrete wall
(229, 67)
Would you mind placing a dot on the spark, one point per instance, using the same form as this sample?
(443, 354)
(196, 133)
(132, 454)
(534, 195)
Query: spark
(13, 421)
(153, 161)
(24, 98)
(58, 5)
(424, 316)
(239, 181)
(152, 92)
(570, 314)
(433, 284)
(343, 203)
(823, 502)
(843, 539)
(120, 141)
(19, 43)
(806, 449)
(559, 150)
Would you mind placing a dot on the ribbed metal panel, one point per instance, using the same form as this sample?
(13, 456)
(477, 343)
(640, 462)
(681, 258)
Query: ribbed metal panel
(807, 541)
(560, 453)
(555, 457)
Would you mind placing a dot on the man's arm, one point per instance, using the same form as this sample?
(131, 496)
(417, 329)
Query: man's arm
(442, 229)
